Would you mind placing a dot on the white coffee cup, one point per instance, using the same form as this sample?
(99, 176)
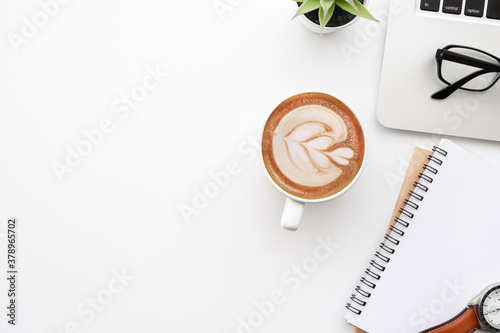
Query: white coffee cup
(294, 206)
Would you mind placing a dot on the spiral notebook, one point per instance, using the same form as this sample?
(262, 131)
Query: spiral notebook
(441, 252)
(415, 168)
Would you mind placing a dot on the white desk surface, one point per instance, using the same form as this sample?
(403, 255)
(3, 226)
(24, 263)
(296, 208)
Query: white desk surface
(118, 212)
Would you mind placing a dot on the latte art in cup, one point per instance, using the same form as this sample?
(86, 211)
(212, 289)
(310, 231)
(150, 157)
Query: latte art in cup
(302, 148)
(312, 145)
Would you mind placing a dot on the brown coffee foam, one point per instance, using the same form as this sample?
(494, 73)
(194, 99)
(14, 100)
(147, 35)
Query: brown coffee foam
(355, 141)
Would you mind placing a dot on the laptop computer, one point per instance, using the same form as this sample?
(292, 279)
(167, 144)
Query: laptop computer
(415, 30)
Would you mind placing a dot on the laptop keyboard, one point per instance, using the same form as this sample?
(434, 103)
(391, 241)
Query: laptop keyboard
(474, 8)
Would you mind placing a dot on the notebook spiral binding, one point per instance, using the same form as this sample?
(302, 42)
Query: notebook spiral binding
(392, 239)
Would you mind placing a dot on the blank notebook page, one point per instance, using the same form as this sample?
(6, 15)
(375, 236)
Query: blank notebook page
(448, 253)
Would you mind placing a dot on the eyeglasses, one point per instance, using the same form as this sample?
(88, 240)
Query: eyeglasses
(456, 66)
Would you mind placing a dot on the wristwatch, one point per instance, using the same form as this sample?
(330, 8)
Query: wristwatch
(483, 312)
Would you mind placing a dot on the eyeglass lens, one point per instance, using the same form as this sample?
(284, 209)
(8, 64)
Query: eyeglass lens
(452, 71)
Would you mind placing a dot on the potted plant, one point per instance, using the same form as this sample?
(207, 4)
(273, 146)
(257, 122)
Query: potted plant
(324, 16)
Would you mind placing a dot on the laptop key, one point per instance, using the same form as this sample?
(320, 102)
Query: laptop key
(474, 8)
(493, 9)
(431, 5)
(452, 6)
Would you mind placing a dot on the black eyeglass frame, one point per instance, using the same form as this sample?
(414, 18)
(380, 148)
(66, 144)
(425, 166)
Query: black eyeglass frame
(484, 66)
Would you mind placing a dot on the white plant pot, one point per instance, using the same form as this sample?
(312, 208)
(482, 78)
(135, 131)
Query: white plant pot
(311, 26)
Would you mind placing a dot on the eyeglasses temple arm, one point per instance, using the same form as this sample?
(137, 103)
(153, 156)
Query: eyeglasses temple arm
(447, 91)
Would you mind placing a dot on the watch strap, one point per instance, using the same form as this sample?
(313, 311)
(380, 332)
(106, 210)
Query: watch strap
(465, 322)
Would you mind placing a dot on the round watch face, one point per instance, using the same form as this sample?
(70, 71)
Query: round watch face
(489, 309)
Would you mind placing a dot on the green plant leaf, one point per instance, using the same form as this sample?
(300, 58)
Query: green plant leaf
(323, 19)
(326, 5)
(353, 5)
(359, 9)
(307, 6)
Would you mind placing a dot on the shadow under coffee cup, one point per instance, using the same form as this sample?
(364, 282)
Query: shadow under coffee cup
(313, 150)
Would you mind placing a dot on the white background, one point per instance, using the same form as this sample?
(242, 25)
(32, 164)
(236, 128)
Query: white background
(119, 210)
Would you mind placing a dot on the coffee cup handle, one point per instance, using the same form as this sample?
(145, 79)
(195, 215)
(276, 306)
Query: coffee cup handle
(291, 214)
